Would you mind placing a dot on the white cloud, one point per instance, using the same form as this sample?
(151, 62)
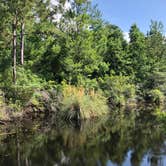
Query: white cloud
(126, 36)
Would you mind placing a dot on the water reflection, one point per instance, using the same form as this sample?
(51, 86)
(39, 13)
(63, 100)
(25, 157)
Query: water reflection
(120, 140)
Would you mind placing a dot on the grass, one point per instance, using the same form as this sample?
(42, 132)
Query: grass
(90, 103)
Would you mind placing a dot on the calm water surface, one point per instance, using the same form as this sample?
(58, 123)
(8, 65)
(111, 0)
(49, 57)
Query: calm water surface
(120, 140)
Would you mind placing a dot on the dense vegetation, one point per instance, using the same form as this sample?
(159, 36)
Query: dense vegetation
(48, 47)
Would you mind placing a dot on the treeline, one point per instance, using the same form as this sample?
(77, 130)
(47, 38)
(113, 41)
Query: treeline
(43, 44)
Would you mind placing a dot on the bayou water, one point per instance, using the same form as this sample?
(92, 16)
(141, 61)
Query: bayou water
(122, 139)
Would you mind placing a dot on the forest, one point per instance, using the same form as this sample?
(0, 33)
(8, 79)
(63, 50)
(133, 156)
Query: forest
(67, 60)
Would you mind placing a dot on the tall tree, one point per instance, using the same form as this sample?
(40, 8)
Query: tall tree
(156, 52)
(22, 42)
(116, 48)
(13, 12)
(26, 10)
(14, 47)
(155, 44)
(83, 27)
(137, 53)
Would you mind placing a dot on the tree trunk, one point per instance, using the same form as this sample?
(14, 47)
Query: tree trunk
(22, 42)
(14, 48)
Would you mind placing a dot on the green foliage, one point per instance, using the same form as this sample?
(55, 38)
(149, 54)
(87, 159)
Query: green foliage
(155, 45)
(137, 55)
(26, 84)
(161, 115)
(156, 96)
(88, 83)
(80, 49)
(119, 88)
(115, 54)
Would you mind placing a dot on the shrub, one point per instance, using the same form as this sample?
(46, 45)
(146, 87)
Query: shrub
(86, 103)
(23, 90)
(156, 96)
(118, 88)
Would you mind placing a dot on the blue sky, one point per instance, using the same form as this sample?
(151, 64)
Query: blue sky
(126, 12)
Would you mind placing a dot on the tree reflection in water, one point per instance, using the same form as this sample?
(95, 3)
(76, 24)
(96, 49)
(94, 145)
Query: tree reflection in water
(122, 139)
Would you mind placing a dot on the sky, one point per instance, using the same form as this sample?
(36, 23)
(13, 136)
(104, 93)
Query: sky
(124, 13)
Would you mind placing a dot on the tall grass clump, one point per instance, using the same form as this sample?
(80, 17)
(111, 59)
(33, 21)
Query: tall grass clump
(79, 102)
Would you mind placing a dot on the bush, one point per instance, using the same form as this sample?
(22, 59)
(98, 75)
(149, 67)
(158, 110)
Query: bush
(156, 96)
(22, 91)
(118, 89)
(82, 103)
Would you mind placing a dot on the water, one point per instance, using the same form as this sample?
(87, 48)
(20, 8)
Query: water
(120, 140)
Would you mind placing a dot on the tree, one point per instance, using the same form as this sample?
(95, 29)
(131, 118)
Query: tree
(5, 37)
(81, 57)
(16, 13)
(137, 53)
(156, 52)
(115, 55)
(155, 44)
(13, 14)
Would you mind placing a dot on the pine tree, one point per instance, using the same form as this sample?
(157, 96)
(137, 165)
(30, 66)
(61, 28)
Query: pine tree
(137, 53)
(156, 52)
(116, 48)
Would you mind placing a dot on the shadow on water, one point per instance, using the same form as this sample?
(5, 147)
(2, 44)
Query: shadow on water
(126, 139)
